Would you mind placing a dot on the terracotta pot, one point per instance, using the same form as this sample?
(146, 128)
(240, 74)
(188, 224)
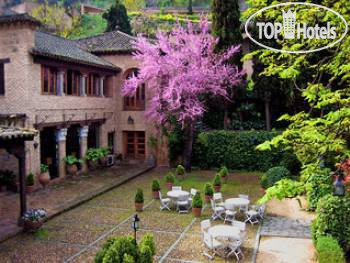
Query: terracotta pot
(29, 189)
(207, 198)
(139, 207)
(217, 188)
(196, 211)
(72, 169)
(31, 226)
(155, 194)
(44, 179)
(92, 164)
(169, 186)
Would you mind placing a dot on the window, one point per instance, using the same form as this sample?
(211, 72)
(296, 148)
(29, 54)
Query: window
(134, 144)
(49, 80)
(2, 79)
(94, 85)
(136, 102)
(73, 82)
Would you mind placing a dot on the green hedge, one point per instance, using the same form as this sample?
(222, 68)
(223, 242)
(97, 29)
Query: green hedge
(236, 150)
(329, 251)
(333, 220)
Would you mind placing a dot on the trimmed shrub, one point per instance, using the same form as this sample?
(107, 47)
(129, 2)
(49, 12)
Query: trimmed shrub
(264, 182)
(208, 189)
(148, 240)
(30, 179)
(329, 251)
(333, 219)
(237, 150)
(217, 180)
(197, 201)
(274, 174)
(155, 185)
(170, 177)
(180, 170)
(223, 171)
(139, 196)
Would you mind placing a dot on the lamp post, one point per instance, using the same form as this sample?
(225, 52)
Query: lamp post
(135, 224)
(339, 188)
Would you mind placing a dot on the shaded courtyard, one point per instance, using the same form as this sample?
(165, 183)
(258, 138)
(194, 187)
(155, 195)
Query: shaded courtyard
(76, 235)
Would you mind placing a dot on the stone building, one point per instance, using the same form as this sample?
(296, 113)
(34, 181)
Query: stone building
(70, 91)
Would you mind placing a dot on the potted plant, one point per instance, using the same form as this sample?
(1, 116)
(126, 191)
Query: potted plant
(169, 179)
(197, 204)
(104, 151)
(208, 192)
(44, 176)
(92, 156)
(33, 219)
(30, 183)
(180, 171)
(139, 200)
(217, 183)
(71, 164)
(155, 189)
(224, 173)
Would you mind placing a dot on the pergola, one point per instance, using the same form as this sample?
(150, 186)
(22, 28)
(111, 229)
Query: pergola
(13, 140)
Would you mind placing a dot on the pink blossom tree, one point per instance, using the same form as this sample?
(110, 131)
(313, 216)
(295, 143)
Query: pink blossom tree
(180, 69)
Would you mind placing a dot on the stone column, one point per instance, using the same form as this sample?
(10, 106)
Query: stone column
(83, 85)
(60, 87)
(102, 80)
(61, 143)
(83, 135)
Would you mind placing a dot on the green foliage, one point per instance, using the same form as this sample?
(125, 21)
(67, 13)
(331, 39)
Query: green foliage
(30, 179)
(318, 184)
(333, 219)
(223, 171)
(264, 181)
(7, 178)
(170, 177)
(217, 180)
(155, 185)
(126, 250)
(117, 18)
(275, 174)
(94, 154)
(285, 188)
(175, 142)
(44, 168)
(90, 25)
(236, 150)
(197, 201)
(329, 251)
(180, 170)
(208, 189)
(115, 249)
(70, 159)
(139, 196)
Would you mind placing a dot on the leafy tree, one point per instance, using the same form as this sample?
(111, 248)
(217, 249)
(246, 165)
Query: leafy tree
(117, 18)
(226, 27)
(321, 133)
(182, 67)
(134, 5)
(55, 18)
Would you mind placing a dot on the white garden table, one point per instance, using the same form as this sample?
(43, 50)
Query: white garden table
(178, 195)
(232, 203)
(223, 233)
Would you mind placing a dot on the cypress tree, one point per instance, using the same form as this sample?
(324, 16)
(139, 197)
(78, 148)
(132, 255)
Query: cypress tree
(117, 18)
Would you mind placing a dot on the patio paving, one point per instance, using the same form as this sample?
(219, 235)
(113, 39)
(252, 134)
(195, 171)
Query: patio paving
(76, 235)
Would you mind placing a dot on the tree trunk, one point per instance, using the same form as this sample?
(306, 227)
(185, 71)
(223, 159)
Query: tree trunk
(187, 152)
(267, 115)
(190, 10)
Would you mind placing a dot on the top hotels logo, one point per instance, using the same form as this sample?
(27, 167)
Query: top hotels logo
(292, 30)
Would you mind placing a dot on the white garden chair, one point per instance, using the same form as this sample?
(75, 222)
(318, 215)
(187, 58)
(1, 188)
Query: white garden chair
(164, 202)
(192, 194)
(211, 245)
(243, 208)
(235, 249)
(183, 204)
(217, 197)
(252, 217)
(218, 211)
(230, 216)
(205, 224)
(261, 211)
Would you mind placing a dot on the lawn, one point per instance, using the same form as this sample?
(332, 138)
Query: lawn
(76, 235)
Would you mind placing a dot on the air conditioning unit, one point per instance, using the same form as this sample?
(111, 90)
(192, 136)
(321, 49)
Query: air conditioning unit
(110, 160)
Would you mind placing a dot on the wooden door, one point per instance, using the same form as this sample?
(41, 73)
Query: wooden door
(134, 144)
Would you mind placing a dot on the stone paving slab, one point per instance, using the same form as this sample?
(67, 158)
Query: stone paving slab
(286, 227)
